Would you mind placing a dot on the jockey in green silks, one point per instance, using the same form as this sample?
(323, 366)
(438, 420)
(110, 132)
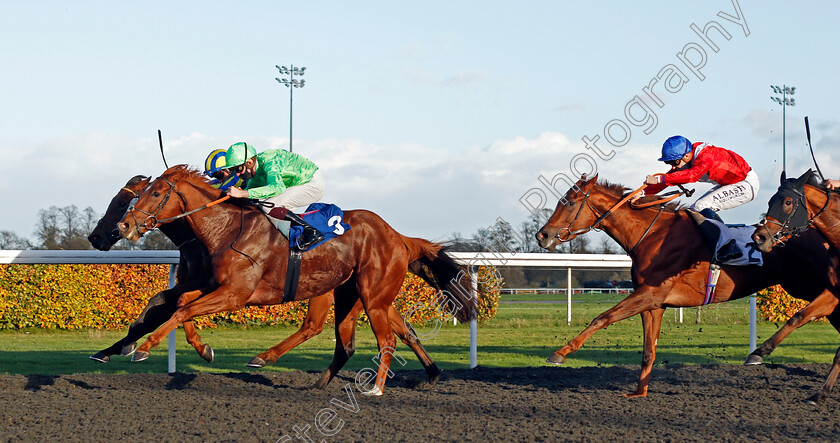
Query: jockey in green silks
(286, 179)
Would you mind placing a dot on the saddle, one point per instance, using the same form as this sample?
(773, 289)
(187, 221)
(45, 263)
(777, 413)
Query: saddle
(731, 244)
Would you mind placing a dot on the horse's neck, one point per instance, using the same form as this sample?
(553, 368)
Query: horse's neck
(217, 226)
(179, 232)
(828, 220)
(629, 227)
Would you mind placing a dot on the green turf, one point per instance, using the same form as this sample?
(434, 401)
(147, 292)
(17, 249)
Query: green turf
(522, 334)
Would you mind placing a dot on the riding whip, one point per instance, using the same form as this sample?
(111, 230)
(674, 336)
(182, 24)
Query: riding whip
(160, 139)
(808, 134)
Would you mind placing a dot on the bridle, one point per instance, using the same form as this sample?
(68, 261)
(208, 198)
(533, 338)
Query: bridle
(152, 222)
(115, 232)
(786, 230)
(599, 220)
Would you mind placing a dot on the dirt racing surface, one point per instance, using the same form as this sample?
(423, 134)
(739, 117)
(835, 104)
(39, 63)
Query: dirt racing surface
(685, 403)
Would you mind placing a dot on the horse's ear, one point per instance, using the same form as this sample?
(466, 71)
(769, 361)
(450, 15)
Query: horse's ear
(591, 180)
(800, 182)
(782, 178)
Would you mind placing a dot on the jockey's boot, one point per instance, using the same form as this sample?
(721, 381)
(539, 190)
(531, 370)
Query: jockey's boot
(711, 234)
(310, 235)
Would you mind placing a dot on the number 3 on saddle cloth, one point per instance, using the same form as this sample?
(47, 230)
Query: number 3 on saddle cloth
(733, 246)
(325, 217)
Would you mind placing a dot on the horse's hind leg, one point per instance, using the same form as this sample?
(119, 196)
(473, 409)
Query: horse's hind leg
(313, 324)
(823, 305)
(406, 333)
(347, 309)
(652, 324)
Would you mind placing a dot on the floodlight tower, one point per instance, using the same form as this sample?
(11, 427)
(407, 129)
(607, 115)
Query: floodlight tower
(290, 83)
(785, 102)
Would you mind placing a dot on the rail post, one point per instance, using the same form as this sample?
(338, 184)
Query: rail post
(171, 368)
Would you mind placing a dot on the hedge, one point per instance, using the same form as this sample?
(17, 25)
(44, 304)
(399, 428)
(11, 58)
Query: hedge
(776, 305)
(112, 296)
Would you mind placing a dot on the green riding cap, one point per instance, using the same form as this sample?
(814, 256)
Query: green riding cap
(238, 153)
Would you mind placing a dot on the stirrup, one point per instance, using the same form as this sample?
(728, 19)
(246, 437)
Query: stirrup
(315, 236)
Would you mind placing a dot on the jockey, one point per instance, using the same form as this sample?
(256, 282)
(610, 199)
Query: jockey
(832, 184)
(735, 184)
(281, 177)
(735, 181)
(214, 167)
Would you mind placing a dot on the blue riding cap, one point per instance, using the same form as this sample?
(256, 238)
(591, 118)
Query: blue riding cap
(675, 148)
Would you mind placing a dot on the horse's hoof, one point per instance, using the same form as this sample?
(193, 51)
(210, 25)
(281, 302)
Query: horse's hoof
(100, 357)
(814, 399)
(256, 362)
(434, 374)
(375, 392)
(208, 354)
(753, 360)
(140, 356)
(556, 359)
(128, 349)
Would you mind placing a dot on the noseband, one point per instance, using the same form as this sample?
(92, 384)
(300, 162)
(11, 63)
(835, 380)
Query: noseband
(115, 232)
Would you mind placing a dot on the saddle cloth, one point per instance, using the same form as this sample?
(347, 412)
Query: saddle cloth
(325, 217)
(735, 246)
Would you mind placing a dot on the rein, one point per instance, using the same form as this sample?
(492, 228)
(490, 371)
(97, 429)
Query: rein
(151, 221)
(601, 217)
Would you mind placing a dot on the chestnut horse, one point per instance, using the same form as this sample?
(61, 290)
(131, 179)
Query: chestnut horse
(195, 272)
(671, 264)
(797, 205)
(366, 264)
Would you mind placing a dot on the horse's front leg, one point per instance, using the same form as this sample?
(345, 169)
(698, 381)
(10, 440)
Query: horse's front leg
(828, 386)
(823, 305)
(643, 299)
(223, 298)
(652, 324)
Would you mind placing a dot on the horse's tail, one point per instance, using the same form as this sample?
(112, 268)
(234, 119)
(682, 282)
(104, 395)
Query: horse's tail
(437, 268)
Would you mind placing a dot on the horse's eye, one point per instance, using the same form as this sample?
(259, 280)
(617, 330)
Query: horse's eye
(571, 204)
(156, 194)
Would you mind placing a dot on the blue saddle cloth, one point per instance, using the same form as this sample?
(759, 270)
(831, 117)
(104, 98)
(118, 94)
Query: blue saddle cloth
(740, 238)
(325, 217)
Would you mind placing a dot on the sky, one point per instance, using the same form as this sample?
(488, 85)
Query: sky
(442, 117)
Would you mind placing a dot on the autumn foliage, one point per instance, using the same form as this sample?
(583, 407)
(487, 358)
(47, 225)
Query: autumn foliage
(112, 296)
(776, 305)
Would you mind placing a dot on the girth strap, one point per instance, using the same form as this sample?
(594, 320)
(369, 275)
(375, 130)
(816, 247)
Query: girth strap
(292, 275)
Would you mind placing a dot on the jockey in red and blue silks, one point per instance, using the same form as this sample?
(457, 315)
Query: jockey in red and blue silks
(735, 181)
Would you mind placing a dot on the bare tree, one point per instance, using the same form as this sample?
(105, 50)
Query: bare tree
(10, 240)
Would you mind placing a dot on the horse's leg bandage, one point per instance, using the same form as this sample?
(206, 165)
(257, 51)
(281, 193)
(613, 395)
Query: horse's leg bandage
(711, 283)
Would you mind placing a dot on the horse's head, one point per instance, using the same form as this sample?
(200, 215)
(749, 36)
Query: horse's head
(106, 233)
(161, 202)
(571, 217)
(787, 213)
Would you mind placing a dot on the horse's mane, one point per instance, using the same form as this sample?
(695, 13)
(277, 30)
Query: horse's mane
(621, 191)
(189, 175)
